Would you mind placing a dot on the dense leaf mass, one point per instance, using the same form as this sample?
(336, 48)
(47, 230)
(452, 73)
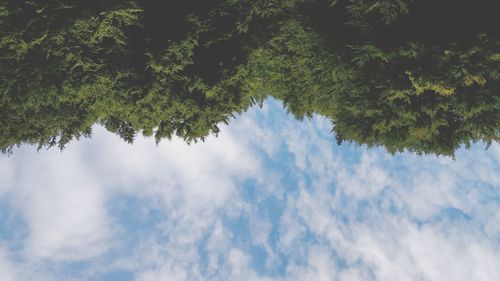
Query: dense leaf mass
(417, 75)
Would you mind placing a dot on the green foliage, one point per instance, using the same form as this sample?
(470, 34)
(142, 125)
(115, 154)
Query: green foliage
(112, 25)
(367, 53)
(165, 69)
(428, 102)
(292, 67)
(366, 14)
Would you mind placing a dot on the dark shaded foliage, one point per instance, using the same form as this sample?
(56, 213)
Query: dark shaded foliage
(408, 75)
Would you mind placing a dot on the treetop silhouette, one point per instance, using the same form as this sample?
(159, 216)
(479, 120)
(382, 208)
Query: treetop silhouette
(409, 75)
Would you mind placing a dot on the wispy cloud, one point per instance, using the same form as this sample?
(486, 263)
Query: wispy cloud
(7, 270)
(271, 198)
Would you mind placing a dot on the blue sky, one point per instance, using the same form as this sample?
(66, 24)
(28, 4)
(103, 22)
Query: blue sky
(271, 198)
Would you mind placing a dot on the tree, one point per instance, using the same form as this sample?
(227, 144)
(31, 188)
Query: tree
(162, 69)
(133, 66)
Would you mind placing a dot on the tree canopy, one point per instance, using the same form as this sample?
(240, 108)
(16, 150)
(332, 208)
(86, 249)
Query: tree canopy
(422, 76)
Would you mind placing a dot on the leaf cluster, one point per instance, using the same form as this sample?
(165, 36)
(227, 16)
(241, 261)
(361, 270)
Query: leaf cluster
(164, 69)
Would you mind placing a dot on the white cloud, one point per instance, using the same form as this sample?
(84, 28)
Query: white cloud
(6, 175)
(492, 227)
(11, 269)
(403, 251)
(351, 208)
(7, 269)
(351, 215)
(62, 204)
(495, 148)
(193, 183)
(366, 179)
(320, 266)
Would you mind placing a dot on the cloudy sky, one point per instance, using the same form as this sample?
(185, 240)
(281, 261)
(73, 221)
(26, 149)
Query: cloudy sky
(271, 198)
